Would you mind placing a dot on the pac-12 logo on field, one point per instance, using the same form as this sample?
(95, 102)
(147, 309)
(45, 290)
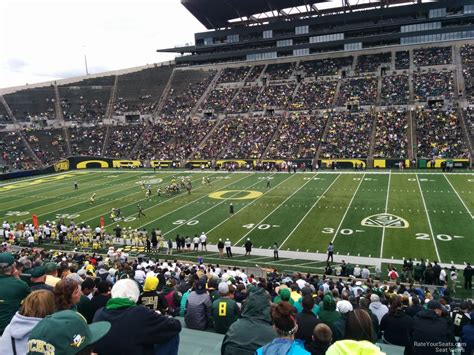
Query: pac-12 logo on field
(385, 220)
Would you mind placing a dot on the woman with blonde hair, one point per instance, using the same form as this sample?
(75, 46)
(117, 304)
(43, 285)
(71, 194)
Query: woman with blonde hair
(35, 307)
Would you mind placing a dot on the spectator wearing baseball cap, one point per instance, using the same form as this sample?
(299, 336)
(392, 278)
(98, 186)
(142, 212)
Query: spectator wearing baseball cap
(65, 333)
(37, 305)
(432, 332)
(135, 329)
(198, 310)
(225, 310)
(38, 279)
(12, 290)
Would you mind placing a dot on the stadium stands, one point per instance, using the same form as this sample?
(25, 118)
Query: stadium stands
(87, 141)
(187, 87)
(432, 56)
(315, 95)
(433, 84)
(238, 137)
(395, 90)
(15, 154)
(391, 135)
(85, 101)
(140, 91)
(49, 145)
(371, 62)
(348, 135)
(363, 90)
(37, 103)
(325, 67)
(190, 121)
(467, 57)
(298, 137)
(439, 133)
(402, 60)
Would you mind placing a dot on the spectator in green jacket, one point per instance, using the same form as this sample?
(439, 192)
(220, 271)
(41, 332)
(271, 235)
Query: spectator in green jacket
(328, 314)
(12, 290)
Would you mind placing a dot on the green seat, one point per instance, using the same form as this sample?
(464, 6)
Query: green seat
(196, 342)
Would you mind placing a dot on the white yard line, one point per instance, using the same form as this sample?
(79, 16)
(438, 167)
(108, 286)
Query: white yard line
(348, 208)
(189, 203)
(66, 193)
(307, 213)
(459, 197)
(273, 211)
(158, 204)
(428, 218)
(249, 204)
(94, 206)
(386, 210)
(212, 207)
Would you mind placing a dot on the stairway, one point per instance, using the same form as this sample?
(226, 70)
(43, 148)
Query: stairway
(209, 88)
(7, 108)
(57, 106)
(410, 136)
(164, 95)
(110, 105)
(412, 127)
(336, 94)
(220, 119)
(275, 135)
(323, 138)
(379, 90)
(372, 139)
(139, 142)
(68, 141)
(106, 139)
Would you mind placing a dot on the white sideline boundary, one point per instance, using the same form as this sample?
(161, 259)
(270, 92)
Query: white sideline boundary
(459, 197)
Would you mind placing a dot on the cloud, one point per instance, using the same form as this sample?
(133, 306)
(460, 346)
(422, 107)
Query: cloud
(15, 64)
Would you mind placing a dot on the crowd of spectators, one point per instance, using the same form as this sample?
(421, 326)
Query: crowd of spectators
(395, 90)
(433, 84)
(217, 100)
(424, 57)
(348, 135)
(362, 89)
(87, 141)
(255, 73)
(157, 139)
(128, 306)
(467, 57)
(325, 67)
(371, 62)
(49, 145)
(189, 135)
(402, 60)
(181, 103)
(87, 109)
(280, 71)
(14, 153)
(469, 114)
(144, 105)
(391, 135)
(439, 134)
(233, 75)
(245, 99)
(276, 97)
(298, 137)
(241, 137)
(122, 140)
(315, 95)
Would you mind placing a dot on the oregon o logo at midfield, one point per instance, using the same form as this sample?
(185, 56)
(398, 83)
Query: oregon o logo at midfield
(234, 194)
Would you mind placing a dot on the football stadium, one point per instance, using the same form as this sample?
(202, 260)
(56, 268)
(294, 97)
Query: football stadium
(297, 181)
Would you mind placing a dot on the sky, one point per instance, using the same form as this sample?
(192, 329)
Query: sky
(46, 40)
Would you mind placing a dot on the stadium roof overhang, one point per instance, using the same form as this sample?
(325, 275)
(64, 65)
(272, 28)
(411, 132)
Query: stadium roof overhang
(220, 13)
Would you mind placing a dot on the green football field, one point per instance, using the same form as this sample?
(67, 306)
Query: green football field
(375, 214)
